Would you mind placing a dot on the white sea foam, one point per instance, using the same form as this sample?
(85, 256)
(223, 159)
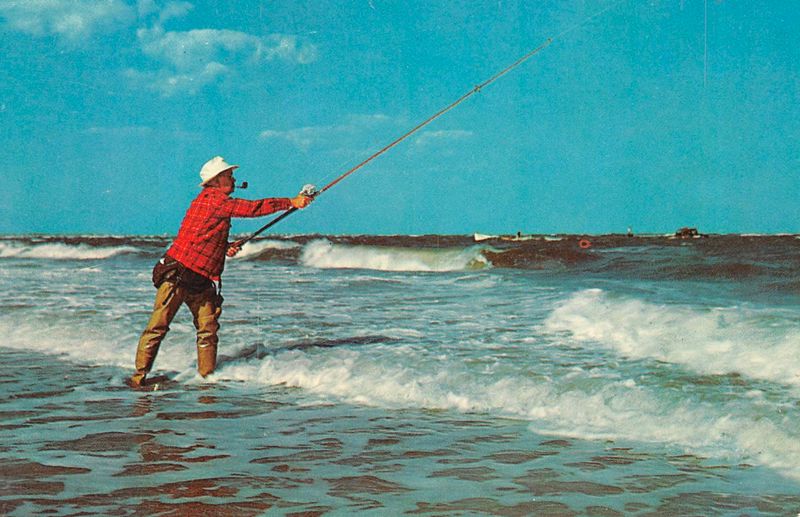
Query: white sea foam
(60, 251)
(326, 255)
(77, 329)
(761, 345)
(614, 409)
(253, 249)
(579, 404)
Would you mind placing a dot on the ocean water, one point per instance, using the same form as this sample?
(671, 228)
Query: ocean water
(428, 375)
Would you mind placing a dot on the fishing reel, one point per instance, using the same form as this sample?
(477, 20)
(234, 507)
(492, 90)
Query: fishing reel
(309, 190)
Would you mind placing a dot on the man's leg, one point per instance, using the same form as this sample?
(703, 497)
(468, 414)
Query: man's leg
(168, 301)
(206, 311)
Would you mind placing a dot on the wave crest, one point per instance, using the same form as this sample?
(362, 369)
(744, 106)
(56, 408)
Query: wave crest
(326, 255)
(252, 250)
(712, 341)
(58, 251)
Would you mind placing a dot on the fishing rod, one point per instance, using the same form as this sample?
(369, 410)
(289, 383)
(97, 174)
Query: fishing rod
(311, 191)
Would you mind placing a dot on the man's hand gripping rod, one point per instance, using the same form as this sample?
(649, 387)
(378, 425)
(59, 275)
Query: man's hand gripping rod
(308, 190)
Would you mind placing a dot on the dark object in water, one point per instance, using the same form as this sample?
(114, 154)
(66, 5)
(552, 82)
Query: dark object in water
(260, 351)
(688, 233)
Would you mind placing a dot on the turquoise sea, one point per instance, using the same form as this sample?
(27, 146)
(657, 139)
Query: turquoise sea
(409, 375)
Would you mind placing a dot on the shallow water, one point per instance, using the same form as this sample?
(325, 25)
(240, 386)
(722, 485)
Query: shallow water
(73, 441)
(411, 375)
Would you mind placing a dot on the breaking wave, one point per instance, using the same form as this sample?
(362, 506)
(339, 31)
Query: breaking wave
(255, 249)
(59, 251)
(619, 409)
(326, 255)
(758, 344)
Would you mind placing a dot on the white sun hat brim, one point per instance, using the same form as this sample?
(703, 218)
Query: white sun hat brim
(213, 168)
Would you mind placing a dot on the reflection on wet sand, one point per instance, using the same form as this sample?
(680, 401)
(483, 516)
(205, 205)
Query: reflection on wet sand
(490, 506)
(541, 482)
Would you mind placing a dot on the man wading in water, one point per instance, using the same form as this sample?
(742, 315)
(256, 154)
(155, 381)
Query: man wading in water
(187, 272)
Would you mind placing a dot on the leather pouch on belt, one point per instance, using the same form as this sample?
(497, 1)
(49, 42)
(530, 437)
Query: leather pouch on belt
(166, 269)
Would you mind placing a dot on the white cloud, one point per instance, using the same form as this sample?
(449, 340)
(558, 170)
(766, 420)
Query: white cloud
(367, 120)
(185, 61)
(70, 20)
(194, 48)
(302, 137)
(194, 58)
(174, 10)
(146, 7)
(171, 82)
(431, 137)
(353, 126)
(187, 48)
(281, 46)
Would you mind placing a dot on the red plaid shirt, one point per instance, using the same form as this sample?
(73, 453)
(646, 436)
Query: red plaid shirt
(203, 237)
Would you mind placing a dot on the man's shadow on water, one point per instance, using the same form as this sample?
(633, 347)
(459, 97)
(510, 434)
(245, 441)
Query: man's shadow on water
(260, 350)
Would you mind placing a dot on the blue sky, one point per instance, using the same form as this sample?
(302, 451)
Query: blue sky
(651, 115)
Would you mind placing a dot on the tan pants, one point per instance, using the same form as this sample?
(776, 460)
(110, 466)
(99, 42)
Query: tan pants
(206, 314)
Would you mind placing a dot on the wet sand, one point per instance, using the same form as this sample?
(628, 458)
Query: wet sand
(75, 441)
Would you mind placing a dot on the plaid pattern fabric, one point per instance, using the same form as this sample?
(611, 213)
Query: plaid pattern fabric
(203, 237)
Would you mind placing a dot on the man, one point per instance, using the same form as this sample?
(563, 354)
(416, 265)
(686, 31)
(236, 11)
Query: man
(187, 272)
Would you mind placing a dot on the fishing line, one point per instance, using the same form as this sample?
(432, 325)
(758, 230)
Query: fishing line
(587, 20)
(312, 192)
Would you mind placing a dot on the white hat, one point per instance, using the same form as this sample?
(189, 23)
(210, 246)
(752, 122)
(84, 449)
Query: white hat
(213, 167)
